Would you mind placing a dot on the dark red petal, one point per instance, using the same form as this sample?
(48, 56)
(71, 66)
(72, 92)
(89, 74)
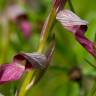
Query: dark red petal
(10, 72)
(86, 43)
(59, 4)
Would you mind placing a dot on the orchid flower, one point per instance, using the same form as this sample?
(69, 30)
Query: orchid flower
(78, 27)
(20, 18)
(23, 62)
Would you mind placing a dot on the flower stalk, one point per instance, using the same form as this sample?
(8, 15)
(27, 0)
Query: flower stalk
(26, 81)
(46, 28)
(44, 35)
(93, 90)
(71, 6)
(58, 5)
(42, 43)
(5, 39)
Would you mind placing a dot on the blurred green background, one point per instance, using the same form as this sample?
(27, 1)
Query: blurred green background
(68, 53)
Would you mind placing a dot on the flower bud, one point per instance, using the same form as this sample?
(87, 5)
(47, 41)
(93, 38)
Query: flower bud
(75, 74)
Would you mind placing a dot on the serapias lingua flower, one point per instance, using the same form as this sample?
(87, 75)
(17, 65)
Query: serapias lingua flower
(78, 27)
(23, 62)
(19, 16)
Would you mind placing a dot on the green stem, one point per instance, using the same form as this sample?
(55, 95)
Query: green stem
(93, 90)
(5, 39)
(92, 65)
(27, 80)
(44, 35)
(45, 31)
(71, 6)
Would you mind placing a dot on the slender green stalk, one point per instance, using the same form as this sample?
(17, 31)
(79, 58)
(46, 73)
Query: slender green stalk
(93, 90)
(27, 80)
(92, 65)
(71, 6)
(45, 31)
(5, 39)
(44, 36)
(48, 25)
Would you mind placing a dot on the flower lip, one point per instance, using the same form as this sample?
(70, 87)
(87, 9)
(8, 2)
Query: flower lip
(10, 72)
